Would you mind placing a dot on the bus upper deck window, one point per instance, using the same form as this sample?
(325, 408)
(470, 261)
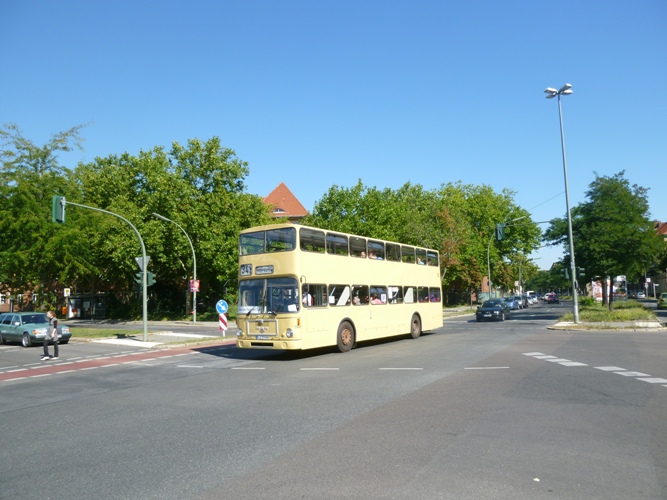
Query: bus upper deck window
(393, 252)
(281, 240)
(357, 246)
(252, 243)
(376, 250)
(311, 241)
(408, 254)
(337, 244)
(421, 256)
(431, 258)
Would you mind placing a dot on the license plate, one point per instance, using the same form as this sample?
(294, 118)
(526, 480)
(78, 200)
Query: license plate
(487, 315)
(263, 337)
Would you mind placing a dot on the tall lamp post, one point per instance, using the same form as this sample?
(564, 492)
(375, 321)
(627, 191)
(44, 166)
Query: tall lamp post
(194, 264)
(551, 93)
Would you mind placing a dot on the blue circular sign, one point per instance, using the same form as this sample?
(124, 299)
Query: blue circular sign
(221, 307)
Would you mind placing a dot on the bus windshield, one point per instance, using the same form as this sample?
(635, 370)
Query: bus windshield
(274, 240)
(271, 295)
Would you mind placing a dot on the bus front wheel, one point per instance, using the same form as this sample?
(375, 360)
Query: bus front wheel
(345, 336)
(415, 327)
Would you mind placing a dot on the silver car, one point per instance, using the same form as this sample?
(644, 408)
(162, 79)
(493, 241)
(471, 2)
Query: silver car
(28, 328)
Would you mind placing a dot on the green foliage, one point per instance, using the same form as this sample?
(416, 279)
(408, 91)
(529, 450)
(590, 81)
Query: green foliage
(613, 233)
(36, 255)
(455, 219)
(199, 186)
(595, 312)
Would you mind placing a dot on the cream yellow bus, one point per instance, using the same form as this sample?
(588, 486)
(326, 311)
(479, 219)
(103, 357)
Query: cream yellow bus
(301, 287)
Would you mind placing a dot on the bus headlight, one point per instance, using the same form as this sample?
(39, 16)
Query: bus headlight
(289, 333)
(239, 332)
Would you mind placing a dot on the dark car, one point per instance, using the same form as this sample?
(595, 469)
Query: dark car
(494, 309)
(28, 328)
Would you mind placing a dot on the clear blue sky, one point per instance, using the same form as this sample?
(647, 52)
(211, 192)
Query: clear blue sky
(316, 93)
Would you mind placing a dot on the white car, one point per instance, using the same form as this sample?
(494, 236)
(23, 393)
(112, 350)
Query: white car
(641, 295)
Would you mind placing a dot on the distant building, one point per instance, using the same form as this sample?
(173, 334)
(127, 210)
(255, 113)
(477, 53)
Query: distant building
(660, 228)
(284, 204)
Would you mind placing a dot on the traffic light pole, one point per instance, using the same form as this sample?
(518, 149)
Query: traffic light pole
(143, 255)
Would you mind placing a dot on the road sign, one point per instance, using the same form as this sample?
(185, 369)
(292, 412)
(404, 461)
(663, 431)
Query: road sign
(66, 292)
(140, 261)
(221, 307)
(194, 285)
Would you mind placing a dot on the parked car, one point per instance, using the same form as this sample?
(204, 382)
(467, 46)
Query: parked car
(513, 303)
(552, 298)
(640, 295)
(494, 309)
(526, 301)
(662, 301)
(28, 328)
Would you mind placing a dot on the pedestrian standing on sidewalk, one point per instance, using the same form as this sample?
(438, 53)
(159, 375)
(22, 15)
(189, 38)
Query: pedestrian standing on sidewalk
(51, 335)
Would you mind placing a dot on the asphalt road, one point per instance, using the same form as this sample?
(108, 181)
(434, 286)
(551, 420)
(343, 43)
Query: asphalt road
(490, 410)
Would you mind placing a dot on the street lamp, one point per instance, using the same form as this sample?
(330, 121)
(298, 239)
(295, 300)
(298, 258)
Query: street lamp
(551, 93)
(194, 264)
(488, 251)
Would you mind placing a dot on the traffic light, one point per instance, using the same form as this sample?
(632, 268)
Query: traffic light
(581, 272)
(58, 209)
(150, 278)
(565, 273)
(500, 232)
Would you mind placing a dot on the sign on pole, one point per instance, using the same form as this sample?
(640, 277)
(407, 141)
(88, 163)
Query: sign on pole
(141, 263)
(222, 307)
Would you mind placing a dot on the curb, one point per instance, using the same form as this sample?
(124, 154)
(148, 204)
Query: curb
(621, 326)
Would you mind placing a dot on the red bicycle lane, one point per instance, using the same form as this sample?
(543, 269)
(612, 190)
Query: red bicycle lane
(58, 367)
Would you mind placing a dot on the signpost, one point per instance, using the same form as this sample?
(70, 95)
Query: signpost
(222, 308)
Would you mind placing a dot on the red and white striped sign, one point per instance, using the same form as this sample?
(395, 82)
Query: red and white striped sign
(222, 322)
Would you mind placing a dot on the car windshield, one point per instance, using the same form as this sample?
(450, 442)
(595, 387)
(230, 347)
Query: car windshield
(34, 319)
(489, 304)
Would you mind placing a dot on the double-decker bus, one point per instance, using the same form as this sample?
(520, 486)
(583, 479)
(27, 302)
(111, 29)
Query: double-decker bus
(301, 287)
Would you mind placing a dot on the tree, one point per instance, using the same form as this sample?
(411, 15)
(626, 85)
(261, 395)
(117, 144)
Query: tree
(456, 220)
(612, 230)
(37, 256)
(199, 186)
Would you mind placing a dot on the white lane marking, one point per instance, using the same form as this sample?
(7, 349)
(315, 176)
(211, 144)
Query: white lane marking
(572, 363)
(653, 380)
(9, 367)
(632, 374)
(533, 354)
(247, 368)
(545, 356)
(557, 360)
(188, 366)
(610, 368)
(486, 367)
(317, 369)
(401, 369)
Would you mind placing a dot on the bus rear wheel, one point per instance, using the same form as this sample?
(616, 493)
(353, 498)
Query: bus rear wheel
(345, 336)
(415, 327)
